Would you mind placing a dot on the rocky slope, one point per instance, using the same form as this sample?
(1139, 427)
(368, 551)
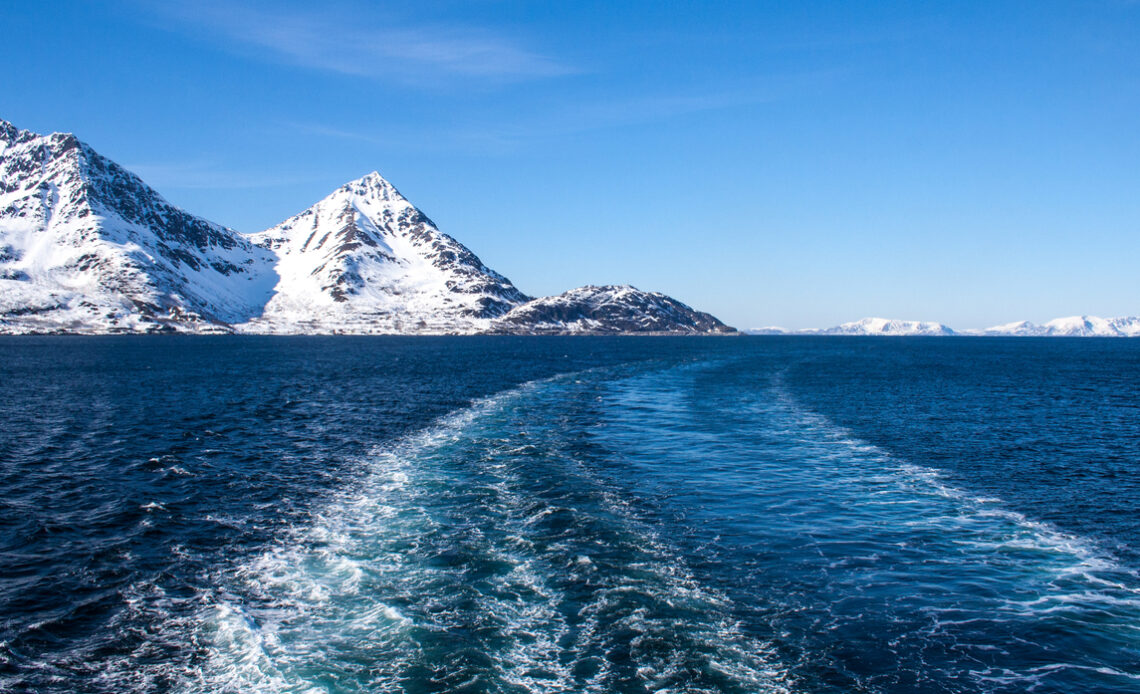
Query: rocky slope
(608, 309)
(365, 260)
(87, 247)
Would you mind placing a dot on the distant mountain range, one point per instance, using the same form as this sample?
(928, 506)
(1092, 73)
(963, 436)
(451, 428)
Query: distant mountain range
(883, 326)
(1075, 326)
(87, 247)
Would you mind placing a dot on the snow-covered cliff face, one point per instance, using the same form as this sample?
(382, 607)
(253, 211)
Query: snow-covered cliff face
(86, 246)
(365, 260)
(608, 309)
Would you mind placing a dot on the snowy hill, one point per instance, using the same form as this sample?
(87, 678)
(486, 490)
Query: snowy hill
(608, 309)
(770, 330)
(86, 246)
(1072, 326)
(1018, 329)
(885, 326)
(1075, 326)
(1093, 326)
(365, 260)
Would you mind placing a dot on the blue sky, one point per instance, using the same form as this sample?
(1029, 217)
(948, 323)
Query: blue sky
(775, 163)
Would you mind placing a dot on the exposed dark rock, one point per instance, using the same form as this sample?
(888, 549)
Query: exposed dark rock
(609, 309)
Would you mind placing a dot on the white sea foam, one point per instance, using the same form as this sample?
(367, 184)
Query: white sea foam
(372, 580)
(452, 562)
(931, 578)
(293, 615)
(1034, 569)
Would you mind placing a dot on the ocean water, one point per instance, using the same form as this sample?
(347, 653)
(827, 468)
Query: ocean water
(246, 514)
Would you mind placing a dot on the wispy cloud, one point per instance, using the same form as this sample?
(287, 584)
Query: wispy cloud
(345, 134)
(205, 175)
(556, 119)
(361, 45)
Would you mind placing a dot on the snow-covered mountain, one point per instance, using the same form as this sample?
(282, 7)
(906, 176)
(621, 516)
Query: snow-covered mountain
(86, 246)
(1072, 326)
(365, 260)
(1075, 326)
(1021, 328)
(770, 330)
(867, 326)
(608, 309)
(885, 326)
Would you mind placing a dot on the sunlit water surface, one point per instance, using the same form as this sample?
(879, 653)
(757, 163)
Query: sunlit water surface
(239, 514)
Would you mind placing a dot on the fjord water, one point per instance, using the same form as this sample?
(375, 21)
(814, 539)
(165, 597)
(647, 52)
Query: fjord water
(245, 514)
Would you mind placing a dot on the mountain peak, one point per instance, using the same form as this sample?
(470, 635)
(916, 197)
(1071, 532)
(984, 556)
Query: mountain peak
(87, 246)
(365, 259)
(372, 187)
(608, 288)
(373, 178)
(10, 134)
(86, 243)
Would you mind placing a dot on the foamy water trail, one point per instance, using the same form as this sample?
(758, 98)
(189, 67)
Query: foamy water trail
(652, 532)
(881, 574)
(479, 555)
(871, 521)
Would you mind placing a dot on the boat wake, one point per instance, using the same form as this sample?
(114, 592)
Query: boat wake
(479, 555)
(678, 529)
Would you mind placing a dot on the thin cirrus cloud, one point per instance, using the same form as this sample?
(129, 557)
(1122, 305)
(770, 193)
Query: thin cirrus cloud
(355, 46)
(560, 118)
(489, 136)
(205, 175)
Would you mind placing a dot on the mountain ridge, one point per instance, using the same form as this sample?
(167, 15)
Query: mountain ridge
(609, 309)
(88, 247)
(1071, 326)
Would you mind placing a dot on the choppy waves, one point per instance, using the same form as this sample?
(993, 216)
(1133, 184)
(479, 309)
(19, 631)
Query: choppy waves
(880, 575)
(642, 528)
(480, 555)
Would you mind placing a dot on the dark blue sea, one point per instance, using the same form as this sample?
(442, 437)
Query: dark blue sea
(500, 514)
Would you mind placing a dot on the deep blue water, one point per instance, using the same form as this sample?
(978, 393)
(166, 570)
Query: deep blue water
(243, 514)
